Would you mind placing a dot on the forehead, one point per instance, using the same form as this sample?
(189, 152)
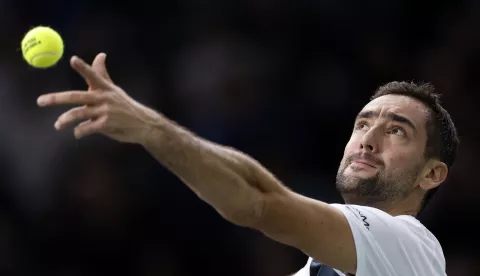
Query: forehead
(408, 107)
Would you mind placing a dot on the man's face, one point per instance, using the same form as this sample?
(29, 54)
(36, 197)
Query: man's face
(385, 154)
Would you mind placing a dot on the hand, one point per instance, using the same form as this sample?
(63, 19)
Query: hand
(105, 108)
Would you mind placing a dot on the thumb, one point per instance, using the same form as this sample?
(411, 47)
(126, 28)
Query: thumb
(99, 66)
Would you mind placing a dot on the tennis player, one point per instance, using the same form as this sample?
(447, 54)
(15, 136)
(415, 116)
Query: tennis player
(401, 148)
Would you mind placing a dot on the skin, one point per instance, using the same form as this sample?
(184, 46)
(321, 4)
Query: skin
(243, 191)
(383, 164)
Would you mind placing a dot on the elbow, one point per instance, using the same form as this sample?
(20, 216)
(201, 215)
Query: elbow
(247, 215)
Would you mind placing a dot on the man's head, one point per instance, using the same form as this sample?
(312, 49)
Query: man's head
(403, 143)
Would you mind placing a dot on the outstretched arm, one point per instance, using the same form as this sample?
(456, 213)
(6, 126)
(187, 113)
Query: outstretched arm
(236, 185)
(233, 183)
(245, 193)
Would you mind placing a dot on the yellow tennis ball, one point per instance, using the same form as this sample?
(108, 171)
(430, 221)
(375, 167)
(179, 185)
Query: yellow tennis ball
(42, 47)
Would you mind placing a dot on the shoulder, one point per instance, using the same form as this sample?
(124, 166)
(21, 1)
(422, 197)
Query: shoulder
(374, 219)
(394, 241)
(423, 238)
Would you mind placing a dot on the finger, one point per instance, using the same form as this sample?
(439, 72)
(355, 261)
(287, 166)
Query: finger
(89, 127)
(91, 77)
(70, 97)
(80, 113)
(85, 122)
(100, 67)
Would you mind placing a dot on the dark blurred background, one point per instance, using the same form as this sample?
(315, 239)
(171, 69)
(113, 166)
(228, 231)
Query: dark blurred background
(281, 80)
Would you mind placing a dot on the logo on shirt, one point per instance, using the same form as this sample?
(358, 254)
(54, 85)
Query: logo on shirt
(360, 215)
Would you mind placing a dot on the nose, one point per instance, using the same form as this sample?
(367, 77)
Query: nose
(369, 142)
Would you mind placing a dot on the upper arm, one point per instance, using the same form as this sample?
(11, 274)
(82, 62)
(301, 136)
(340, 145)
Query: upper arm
(317, 228)
(351, 238)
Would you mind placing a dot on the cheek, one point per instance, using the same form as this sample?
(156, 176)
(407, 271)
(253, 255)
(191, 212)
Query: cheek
(350, 148)
(352, 145)
(400, 161)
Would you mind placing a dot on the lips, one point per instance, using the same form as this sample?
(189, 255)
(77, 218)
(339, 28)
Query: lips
(363, 162)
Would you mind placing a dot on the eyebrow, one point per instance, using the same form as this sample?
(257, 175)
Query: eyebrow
(389, 115)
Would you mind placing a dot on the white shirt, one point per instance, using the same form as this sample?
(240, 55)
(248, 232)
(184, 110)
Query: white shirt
(390, 246)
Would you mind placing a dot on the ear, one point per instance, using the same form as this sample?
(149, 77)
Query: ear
(434, 173)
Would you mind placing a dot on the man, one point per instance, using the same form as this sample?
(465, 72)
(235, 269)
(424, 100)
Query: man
(402, 146)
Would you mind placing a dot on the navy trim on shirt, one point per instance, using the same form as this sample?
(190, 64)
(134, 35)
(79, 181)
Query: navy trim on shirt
(318, 269)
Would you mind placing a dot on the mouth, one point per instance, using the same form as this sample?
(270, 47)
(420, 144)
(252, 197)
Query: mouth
(363, 163)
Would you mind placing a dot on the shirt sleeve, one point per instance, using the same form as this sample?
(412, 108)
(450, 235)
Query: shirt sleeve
(388, 245)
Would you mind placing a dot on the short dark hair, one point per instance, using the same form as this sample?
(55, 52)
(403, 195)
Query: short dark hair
(442, 138)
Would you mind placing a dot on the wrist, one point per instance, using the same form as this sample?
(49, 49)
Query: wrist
(151, 130)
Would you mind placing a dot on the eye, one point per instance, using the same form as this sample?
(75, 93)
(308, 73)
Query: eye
(361, 126)
(397, 131)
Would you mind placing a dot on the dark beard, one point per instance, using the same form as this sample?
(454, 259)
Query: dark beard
(377, 190)
(368, 191)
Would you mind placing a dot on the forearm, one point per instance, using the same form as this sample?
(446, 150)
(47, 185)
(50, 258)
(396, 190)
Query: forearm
(233, 183)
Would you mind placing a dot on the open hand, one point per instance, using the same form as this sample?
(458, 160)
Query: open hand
(105, 108)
